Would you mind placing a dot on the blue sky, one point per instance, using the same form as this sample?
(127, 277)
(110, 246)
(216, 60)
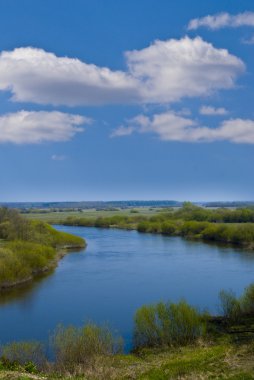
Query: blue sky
(144, 99)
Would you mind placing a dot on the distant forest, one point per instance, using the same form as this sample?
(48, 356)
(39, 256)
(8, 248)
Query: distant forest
(121, 204)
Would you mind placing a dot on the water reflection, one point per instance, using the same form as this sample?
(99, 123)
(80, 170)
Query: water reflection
(24, 293)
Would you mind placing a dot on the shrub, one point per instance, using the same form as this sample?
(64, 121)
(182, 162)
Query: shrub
(230, 305)
(193, 228)
(143, 226)
(146, 329)
(20, 260)
(167, 324)
(247, 300)
(168, 228)
(78, 346)
(24, 353)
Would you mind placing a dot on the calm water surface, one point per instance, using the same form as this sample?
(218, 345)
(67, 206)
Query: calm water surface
(118, 272)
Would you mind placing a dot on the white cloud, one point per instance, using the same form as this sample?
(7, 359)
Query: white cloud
(57, 157)
(26, 127)
(223, 20)
(164, 72)
(171, 127)
(212, 111)
(33, 75)
(248, 41)
(173, 69)
(122, 131)
(237, 131)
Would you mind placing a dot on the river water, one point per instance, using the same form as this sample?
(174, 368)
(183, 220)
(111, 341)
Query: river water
(118, 272)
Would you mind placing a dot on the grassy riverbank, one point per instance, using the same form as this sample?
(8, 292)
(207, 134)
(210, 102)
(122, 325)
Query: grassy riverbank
(180, 343)
(29, 248)
(230, 226)
(212, 361)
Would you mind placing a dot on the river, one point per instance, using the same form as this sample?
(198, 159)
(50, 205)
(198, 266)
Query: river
(118, 272)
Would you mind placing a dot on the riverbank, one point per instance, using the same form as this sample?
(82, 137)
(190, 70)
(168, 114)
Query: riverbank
(224, 361)
(228, 226)
(226, 353)
(29, 249)
(51, 265)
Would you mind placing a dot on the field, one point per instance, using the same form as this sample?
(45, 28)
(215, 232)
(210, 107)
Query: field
(55, 216)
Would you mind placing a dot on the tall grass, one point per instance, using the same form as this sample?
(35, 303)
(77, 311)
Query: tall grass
(74, 346)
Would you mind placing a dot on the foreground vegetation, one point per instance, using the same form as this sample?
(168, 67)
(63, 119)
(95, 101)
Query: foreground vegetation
(170, 341)
(29, 248)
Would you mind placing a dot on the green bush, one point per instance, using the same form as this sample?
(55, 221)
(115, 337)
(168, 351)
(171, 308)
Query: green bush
(247, 300)
(167, 324)
(28, 354)
(193, 228)
(29, 247)
(74, 346)
(143, 226)
(168, 228)
(229, 305)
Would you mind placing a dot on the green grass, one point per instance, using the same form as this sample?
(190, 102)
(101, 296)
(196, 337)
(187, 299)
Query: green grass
(54, 217)
(193, 363)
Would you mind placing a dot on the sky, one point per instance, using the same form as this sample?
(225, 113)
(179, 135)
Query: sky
(121, 100)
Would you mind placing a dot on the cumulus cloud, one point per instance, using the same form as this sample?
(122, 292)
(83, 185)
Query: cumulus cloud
(34, 75)
(26, 127)
(212, 111)
(169, 126)
(173, 69)
(164, 72)
(223, 20)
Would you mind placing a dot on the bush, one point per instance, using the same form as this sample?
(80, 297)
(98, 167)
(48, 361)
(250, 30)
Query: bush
(28, 354)
(168, 228)
(74, 346)
(20, 260)
(230, 305)
(167, 324)
(30, 247)
(247, 300)
(143, 226)
(193, 228)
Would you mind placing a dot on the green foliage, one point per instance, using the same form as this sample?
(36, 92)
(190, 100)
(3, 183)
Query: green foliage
(168, 228)
(230, 305)
(222, 225)
(193, 228)
(19, 260)
(78, 346)
(167, 325)
(29, 247)
(247, 300)
(31, 355)
(235, 308)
